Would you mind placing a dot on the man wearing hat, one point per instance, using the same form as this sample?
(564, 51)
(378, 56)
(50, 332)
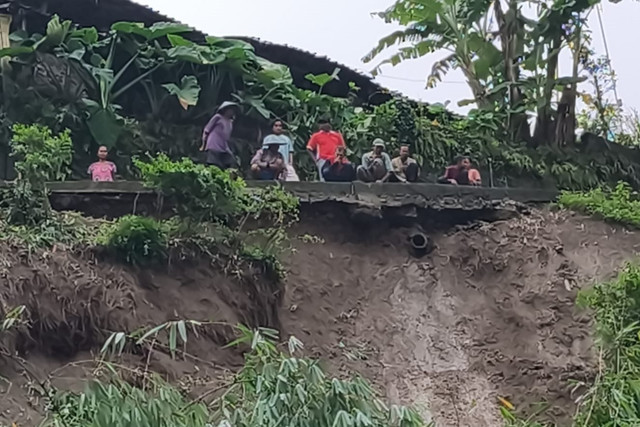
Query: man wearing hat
(268, 163)
(376, 164)
(216, 136)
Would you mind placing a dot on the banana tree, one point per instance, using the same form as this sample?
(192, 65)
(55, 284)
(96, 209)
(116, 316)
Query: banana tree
(457, 27)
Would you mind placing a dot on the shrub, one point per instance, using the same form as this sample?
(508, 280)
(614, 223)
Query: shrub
(275, 388)
(135, 239)
(200, 192)
(619, 205)
(273, 204)
(614, 398)
(39, 157)
(118, 404)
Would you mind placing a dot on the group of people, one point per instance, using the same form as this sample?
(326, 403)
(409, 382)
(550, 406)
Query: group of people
(274, 160)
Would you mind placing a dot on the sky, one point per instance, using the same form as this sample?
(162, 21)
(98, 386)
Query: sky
(345, 30)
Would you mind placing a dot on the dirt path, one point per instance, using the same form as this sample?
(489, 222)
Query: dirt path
(491, 312)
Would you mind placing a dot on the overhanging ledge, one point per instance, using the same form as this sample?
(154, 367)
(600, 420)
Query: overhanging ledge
(432, 196)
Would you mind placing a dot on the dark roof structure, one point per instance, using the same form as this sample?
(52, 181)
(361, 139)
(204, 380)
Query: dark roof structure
(33, 15)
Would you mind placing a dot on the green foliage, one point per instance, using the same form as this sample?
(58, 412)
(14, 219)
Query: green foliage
(272, 204)
(276, 388)
(135, 239)
(619, 205)
(118, 404)
(199, 192)
(39, 157)
(614, 398)
(272, 389)
(517, 75)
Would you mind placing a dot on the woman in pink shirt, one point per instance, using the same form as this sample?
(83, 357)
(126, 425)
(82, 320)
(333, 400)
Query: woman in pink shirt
(102, 170)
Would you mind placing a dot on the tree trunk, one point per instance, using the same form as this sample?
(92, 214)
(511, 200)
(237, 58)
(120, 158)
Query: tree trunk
(517, 126)
(545, 132)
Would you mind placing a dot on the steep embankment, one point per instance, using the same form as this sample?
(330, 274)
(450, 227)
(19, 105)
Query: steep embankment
(491, 312)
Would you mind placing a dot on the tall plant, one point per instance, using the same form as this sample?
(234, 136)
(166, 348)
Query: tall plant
(510, 60)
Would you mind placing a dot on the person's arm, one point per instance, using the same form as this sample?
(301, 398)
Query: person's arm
(475, 178)
(312, 147)
(396, 165)
(114, 171)
(290, 151)
(257, 159)
(387, 162)
(365, 160)
(90, 169)
(446, 178)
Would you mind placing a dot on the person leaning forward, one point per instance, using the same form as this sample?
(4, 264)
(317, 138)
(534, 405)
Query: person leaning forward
(269, 163)
(216, 136)
(405, 168)
(376, 164)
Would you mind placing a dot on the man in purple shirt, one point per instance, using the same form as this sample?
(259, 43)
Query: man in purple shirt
(216, 136)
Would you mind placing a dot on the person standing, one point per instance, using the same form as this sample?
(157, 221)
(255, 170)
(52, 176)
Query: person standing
(376, 164)
(216, 136)
(103, 170)
(285, 145)
(323, 144)
(405, 168)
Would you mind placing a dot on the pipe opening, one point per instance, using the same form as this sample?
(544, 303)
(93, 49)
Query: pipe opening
(419, 241)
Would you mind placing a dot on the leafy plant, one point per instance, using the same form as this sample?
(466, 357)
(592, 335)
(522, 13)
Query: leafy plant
(135, 239)
(620, 205)
(613, 399)
(39, 157)
(116, 403)
(276, 388)
(199, 192)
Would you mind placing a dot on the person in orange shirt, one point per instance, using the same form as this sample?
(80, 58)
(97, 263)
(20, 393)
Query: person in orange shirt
(461, 173)
(322, 144)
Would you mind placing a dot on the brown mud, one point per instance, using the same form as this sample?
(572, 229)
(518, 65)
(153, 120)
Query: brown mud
(489, 313)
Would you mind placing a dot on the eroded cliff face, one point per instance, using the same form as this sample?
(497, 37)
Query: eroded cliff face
(489, 313)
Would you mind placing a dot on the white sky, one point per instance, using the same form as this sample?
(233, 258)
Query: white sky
(345, 31)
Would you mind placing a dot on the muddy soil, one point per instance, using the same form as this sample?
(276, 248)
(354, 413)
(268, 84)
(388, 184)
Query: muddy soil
(490, 313)
(74, 302)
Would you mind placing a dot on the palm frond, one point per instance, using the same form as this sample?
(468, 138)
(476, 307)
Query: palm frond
(440, 69)
(409, 35)
(418, 50)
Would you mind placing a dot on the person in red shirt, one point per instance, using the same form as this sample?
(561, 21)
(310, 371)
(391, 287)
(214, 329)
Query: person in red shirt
(322, 144)
(338, 168)
(461, 173)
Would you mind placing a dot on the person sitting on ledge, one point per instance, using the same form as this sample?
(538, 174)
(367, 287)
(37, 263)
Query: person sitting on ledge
(338, 168)
(268, 163)
(461, 173)
(405, 169)
(103, 170)
(322, 144)
(376, 164)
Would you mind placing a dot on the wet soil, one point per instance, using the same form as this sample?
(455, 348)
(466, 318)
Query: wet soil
(489, 313)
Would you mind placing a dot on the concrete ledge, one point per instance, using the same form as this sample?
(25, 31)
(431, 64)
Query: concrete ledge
(434, 196)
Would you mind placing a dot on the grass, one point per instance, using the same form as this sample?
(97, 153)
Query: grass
(620, 205)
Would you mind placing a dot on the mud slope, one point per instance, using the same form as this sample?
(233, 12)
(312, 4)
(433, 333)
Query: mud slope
(74, 301)
(491, 312)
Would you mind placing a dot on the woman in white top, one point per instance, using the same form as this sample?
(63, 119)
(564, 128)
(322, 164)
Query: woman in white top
(286, 148)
